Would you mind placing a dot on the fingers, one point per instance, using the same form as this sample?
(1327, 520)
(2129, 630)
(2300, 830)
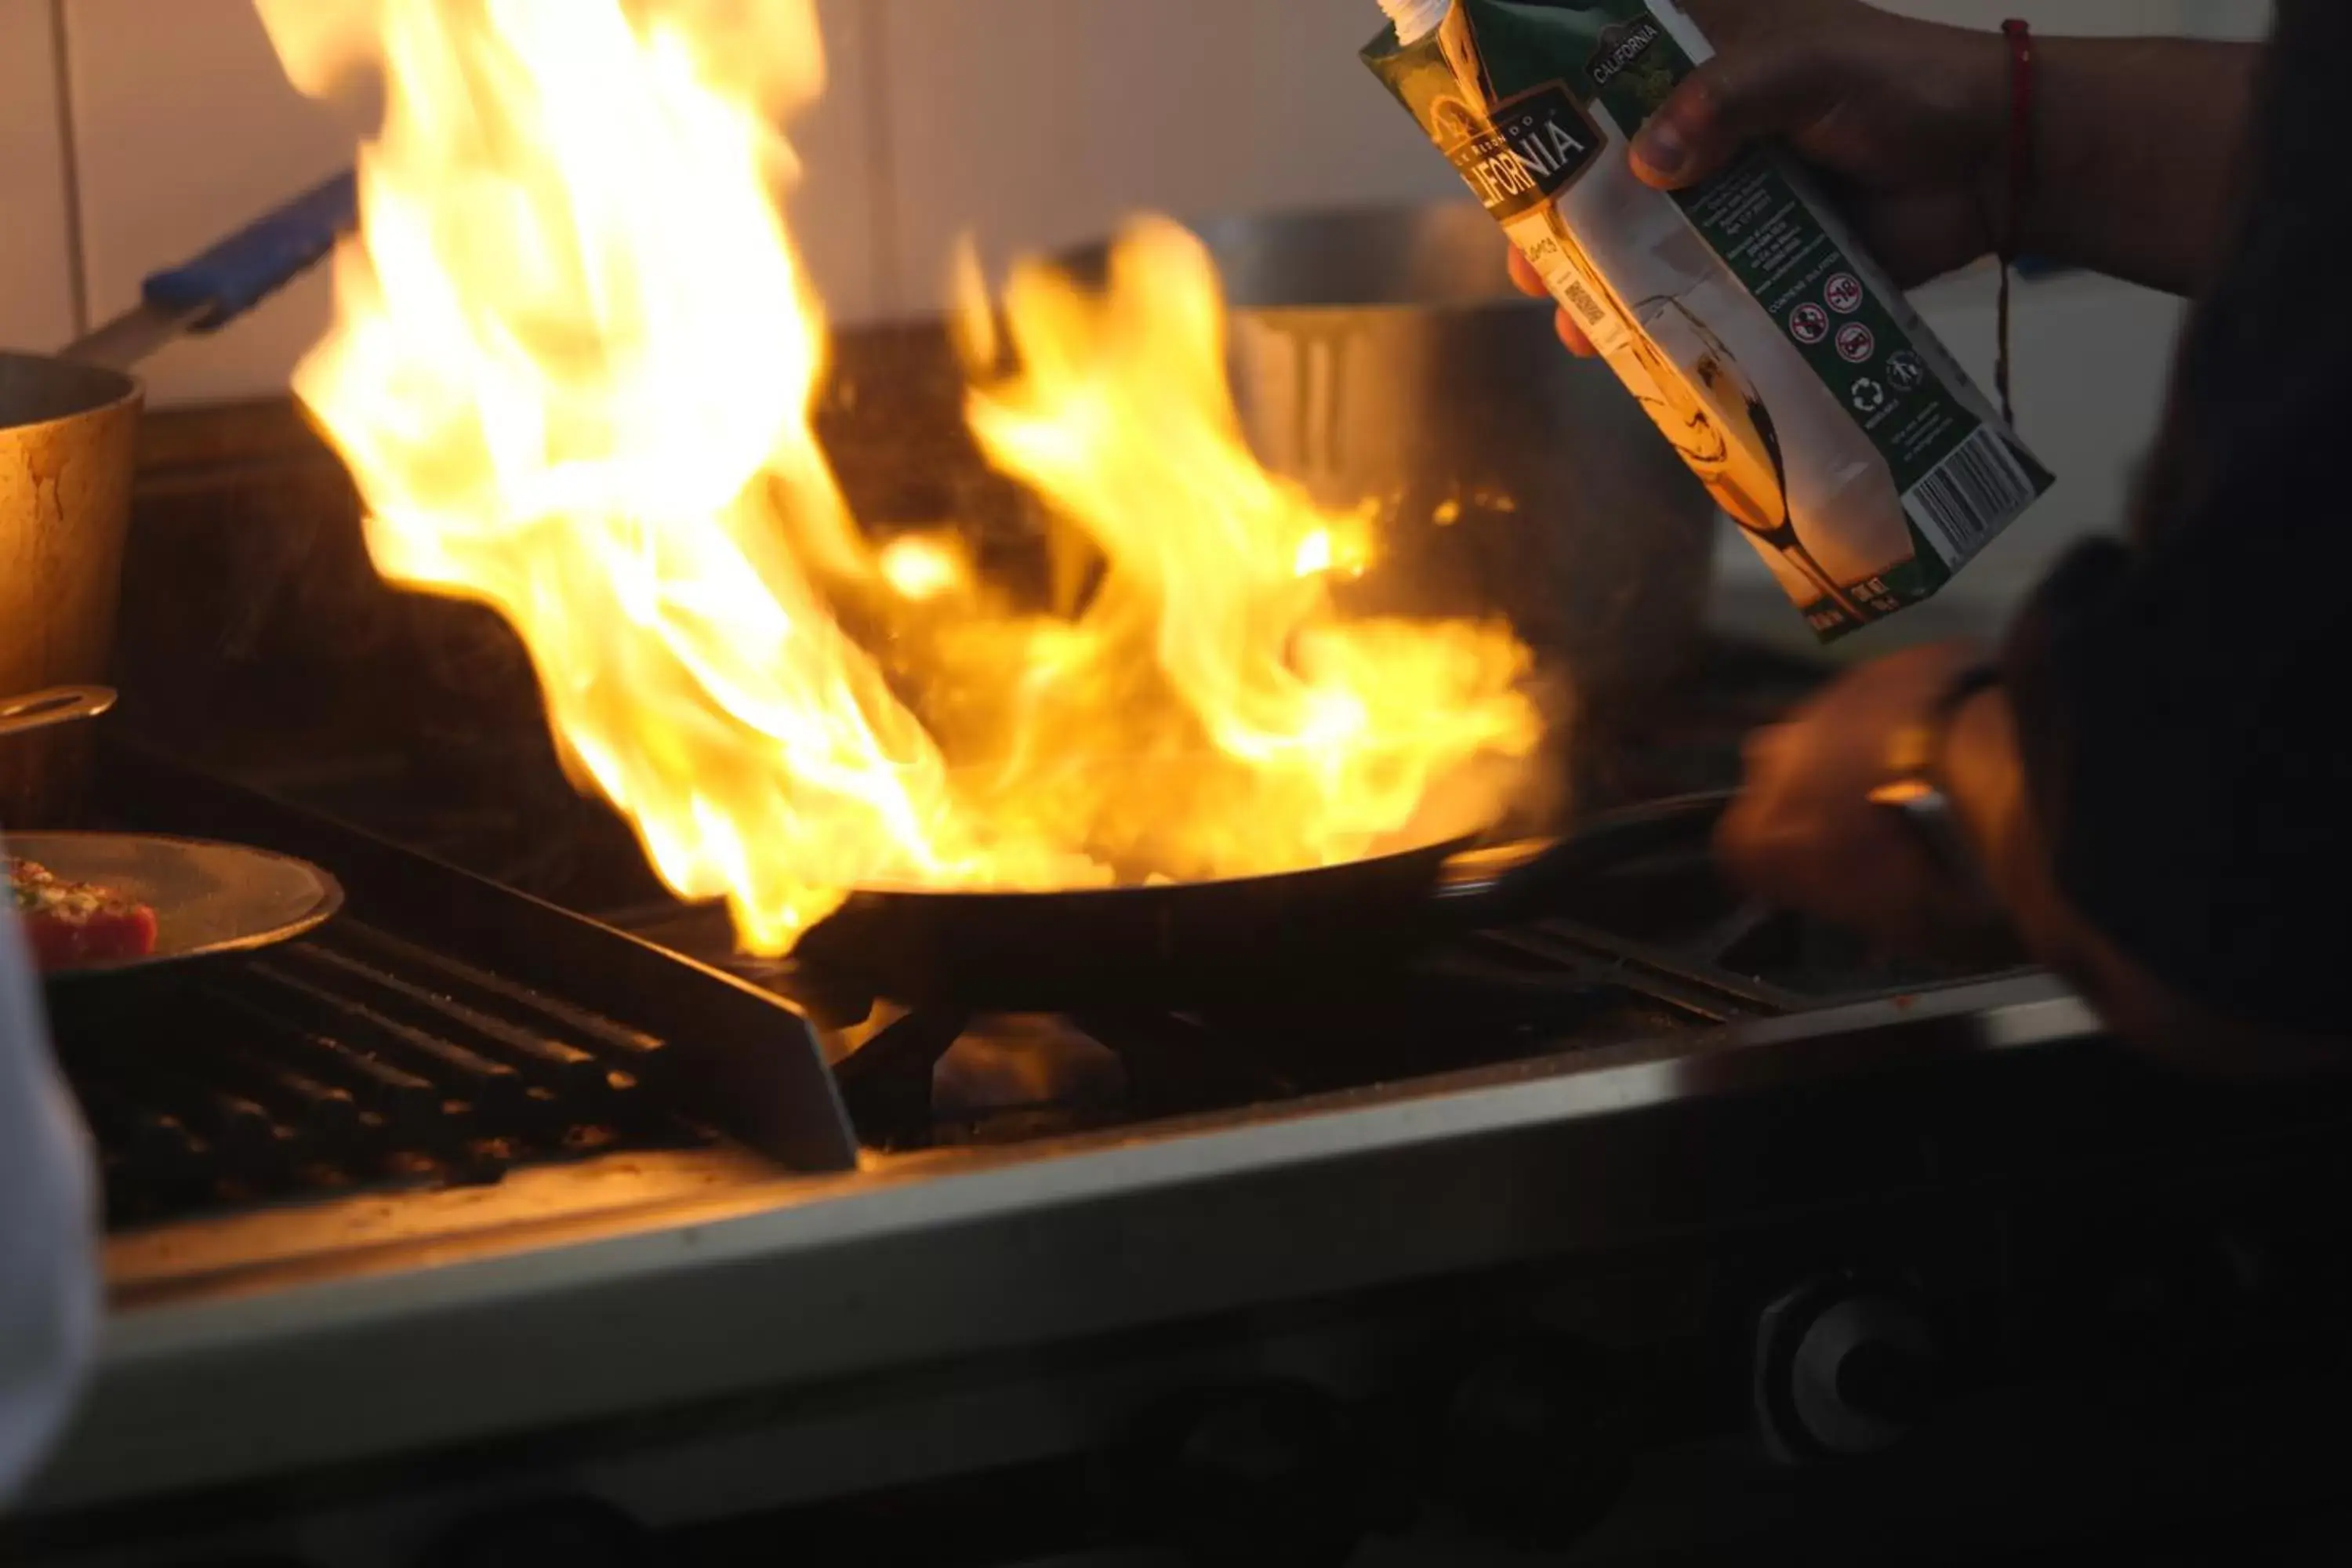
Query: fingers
(1765, 89)
(1529, 282)
(1740, 847)
(1524, 275)
(1572, 336)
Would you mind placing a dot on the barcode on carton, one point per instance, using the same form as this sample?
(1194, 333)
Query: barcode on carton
(1586, 305)
(1971, 495)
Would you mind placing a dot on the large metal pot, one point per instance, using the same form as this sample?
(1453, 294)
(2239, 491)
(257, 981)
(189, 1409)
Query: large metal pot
(67, 432)
(1383, 353)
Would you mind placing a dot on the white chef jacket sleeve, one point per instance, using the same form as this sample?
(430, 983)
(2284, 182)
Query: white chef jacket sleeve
(49, 1289)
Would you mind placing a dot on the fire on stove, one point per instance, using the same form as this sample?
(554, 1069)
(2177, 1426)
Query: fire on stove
(1549, 1235)
(525, 1206)
(572, 371)
(409, 1049)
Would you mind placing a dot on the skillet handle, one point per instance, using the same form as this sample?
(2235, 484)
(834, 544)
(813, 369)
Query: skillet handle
(1536, 888)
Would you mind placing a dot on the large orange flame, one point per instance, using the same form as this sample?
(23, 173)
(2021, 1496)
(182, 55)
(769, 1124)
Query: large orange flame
(572, 371)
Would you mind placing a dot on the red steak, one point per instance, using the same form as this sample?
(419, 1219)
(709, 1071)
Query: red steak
(71, 925)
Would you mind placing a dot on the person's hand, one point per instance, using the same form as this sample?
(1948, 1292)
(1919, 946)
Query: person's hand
(1803, 833)
(1906, 121)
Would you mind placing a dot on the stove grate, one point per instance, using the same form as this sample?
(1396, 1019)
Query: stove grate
(348, 1062)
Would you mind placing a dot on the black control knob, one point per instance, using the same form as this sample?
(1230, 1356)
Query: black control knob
(582, 1533)
(1534, 1441)
(1267, 1473)
(1845, 1370)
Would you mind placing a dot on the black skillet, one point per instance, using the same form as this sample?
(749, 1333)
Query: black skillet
(1189, 941)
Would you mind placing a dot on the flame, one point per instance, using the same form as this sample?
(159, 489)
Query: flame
(572, 370)
(920, 567)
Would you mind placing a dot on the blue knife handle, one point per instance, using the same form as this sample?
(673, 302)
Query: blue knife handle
(243, 271)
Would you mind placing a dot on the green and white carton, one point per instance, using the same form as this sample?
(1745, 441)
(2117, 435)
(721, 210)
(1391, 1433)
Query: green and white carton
(1779, 359)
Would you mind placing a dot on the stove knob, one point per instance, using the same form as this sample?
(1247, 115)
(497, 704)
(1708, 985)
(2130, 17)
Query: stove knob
(582, 1531)
(1266, 1474)
(1845, 1372)
(1535, 1441)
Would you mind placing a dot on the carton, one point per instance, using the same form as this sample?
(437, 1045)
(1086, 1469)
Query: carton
(1779, 359)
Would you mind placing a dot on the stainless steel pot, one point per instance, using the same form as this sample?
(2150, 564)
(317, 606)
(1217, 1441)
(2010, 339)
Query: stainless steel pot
(1384, 353)
(69, 428)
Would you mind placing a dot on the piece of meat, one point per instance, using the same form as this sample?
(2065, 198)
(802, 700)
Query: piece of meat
(73, 925)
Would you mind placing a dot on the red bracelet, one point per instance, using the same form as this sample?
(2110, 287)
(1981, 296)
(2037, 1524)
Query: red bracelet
(2020, 188)
(2020, 131)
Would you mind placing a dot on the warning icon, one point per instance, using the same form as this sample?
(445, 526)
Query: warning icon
(1905, 372)
(1809, 324)
(1857, 344)
(1844, 292)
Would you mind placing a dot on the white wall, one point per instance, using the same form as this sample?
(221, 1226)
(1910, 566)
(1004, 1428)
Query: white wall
(36, 273)
(1035, 122)
(2202, 18)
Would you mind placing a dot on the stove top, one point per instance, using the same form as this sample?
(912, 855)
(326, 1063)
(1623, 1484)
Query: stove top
(361, 1062)
(519, 1175)
(477, 1164)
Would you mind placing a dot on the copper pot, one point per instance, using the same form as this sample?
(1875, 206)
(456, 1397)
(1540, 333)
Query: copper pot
(68, 429)
(67, 433)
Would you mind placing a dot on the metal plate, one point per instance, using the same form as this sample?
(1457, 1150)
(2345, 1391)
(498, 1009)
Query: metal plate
(208, 898)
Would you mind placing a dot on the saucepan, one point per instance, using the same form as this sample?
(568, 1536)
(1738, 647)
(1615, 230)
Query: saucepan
(68, 427)
(58, 705)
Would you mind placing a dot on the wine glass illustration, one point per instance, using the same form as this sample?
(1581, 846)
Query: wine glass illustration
(1695, 389)
(1717, 419)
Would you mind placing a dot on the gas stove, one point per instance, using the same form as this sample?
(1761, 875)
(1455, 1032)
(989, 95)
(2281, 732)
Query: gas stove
(516, 1210)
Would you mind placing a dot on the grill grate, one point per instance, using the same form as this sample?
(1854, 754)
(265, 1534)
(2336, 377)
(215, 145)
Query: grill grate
(352, 1061)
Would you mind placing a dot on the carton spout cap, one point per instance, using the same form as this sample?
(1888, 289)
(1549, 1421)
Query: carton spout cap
(1415, 19)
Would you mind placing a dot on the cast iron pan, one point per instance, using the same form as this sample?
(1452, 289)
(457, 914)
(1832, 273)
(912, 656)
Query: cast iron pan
(1182, 943)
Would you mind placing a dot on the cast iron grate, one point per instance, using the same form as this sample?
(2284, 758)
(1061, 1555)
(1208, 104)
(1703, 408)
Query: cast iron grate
(349, 1062)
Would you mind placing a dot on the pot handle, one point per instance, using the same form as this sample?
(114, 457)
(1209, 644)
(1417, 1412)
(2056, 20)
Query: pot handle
(60, 705)
(1535, 888)
(248, 267)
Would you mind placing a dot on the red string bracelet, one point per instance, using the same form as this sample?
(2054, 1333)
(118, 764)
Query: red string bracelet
(2020, 188)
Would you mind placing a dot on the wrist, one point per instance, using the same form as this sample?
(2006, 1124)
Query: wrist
(1920, 785)
(1991, 77)
(2010, 123)
(1978, 770)
(2045, 223)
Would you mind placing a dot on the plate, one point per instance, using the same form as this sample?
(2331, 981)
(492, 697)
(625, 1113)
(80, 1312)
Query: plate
(209, 898)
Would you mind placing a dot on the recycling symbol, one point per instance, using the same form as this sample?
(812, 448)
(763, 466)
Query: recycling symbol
(1868, 395)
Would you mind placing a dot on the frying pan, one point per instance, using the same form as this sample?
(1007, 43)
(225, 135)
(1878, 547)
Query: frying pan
(208, 898)
(68, 431)
(1181, 943)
